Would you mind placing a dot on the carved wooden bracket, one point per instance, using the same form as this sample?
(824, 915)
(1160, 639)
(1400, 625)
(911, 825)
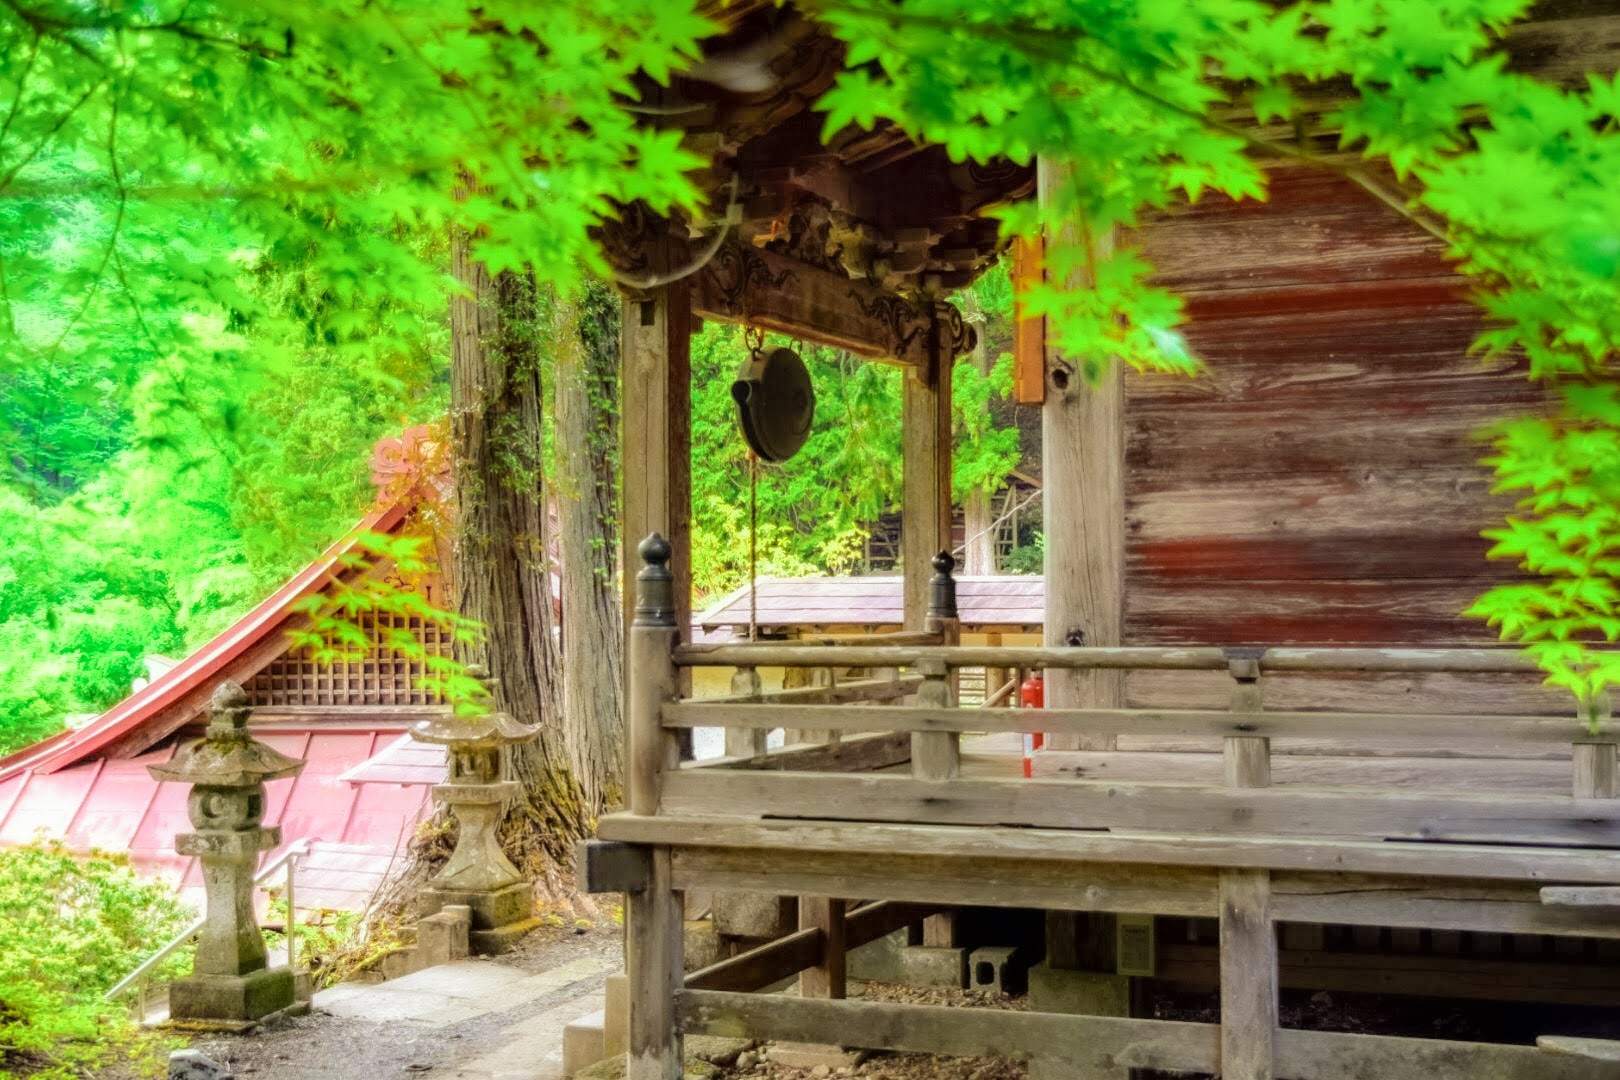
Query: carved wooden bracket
(764, 289)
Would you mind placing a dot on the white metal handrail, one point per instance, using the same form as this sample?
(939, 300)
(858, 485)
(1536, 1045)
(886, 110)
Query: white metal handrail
(137, 978)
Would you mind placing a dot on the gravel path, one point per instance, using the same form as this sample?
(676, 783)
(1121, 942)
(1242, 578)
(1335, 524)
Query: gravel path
(430, 1024)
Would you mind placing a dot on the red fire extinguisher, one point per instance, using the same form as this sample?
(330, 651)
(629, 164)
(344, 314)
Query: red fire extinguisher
(1032, 695)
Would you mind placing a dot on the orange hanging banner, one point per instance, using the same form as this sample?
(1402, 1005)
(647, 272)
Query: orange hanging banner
(1029, 333)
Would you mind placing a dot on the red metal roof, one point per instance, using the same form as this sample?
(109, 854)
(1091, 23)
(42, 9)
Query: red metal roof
(1004, 602)
(197, 672)
(356, 831)
(403, 761)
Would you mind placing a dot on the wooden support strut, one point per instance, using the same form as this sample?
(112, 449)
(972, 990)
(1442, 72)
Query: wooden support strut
(749, 742)
(1248, 947)
(936, 755)
(653, 938)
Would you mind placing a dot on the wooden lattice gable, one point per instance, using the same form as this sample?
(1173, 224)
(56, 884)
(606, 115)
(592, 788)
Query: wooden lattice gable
(297, 679)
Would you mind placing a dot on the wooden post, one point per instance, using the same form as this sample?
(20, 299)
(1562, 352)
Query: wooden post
(653, 932)
(1248, 976)
(795, 677)
(745, 742)
(936, 755)
(656, 431)
(1248, 949)
(1594, 774)
(1247, 757)
(825, 980)
(1594, 771)
(925, 473)
(653, 962)
(651, 674)
(1083, 500)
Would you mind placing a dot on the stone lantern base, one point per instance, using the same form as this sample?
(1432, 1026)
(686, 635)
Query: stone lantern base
(232, 999)
(499, 916)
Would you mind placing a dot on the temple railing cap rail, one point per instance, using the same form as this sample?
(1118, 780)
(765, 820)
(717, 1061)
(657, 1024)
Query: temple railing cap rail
(1144, 658)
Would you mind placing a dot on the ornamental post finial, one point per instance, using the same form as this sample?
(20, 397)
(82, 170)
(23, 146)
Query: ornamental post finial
(655, 585)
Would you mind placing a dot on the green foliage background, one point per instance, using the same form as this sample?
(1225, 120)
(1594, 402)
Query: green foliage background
(814, 512)
(211, 206)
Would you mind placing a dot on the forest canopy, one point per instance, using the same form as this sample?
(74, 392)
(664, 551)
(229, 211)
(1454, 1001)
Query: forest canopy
(223, 229)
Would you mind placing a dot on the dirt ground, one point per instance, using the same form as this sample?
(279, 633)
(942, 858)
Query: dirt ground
(326, 1046)
(320, 1045)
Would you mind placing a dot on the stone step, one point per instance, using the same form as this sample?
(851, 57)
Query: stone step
(584, 1042)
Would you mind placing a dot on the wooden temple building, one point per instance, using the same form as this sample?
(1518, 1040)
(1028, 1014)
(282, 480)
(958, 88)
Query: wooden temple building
(1264, 710)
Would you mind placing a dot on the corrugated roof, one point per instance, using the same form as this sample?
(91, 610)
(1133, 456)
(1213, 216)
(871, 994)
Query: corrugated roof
(355, 830)
(403, 761)
(1007, 602)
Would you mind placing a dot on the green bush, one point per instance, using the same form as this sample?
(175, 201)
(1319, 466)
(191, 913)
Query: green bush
(72, 927)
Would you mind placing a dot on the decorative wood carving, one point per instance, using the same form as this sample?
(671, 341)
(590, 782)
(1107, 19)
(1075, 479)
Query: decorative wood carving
(903, 320)
(626, 240)
(768, 290)
(956, 337)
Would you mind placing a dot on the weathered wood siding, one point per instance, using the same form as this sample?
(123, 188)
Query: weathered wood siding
(1319, 485)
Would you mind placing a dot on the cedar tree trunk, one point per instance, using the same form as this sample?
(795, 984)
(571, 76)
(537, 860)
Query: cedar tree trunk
(500, 547)
(586, 332)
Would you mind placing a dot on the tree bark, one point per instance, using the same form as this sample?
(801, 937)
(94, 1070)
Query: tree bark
(500, 547)
(586, 332)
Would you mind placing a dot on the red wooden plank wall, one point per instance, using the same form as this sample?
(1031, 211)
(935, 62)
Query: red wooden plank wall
(1318, 486)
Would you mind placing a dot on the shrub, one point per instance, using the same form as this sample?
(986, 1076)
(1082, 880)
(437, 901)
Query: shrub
(73, 927)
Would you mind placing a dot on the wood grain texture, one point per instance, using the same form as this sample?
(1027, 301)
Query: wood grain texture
(1026, 846)
(1082, 505)
(824, 978)
(653, 959)
(1248, 959)
(656, 437)
(1319, 484)
(1080, 1041)
(1079, 804)
(925, 479)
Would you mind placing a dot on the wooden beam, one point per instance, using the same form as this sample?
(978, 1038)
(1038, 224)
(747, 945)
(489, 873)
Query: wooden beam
(849, 755)
(1329, 1055)
(1417, 902)
(787, 956)
(1084, 804)
(745, 284)
(825, 977)
(858, 690)
(1090, 887)
(950, 845)
(764, 965)
(1155, 1044)
(1380, 729)
(1472, 978)
(1118, 658)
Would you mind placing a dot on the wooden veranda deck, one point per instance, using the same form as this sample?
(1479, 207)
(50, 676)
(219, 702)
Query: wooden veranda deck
(1505, 824)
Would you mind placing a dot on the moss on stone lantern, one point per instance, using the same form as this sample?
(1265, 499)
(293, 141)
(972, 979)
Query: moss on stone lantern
(478, 873)
(231, 981)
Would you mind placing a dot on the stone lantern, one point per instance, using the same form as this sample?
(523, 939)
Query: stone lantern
(227, 768)
(478, 874)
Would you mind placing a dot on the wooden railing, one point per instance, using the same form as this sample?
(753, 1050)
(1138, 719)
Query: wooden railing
(1244, 851)
(1245, 804)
